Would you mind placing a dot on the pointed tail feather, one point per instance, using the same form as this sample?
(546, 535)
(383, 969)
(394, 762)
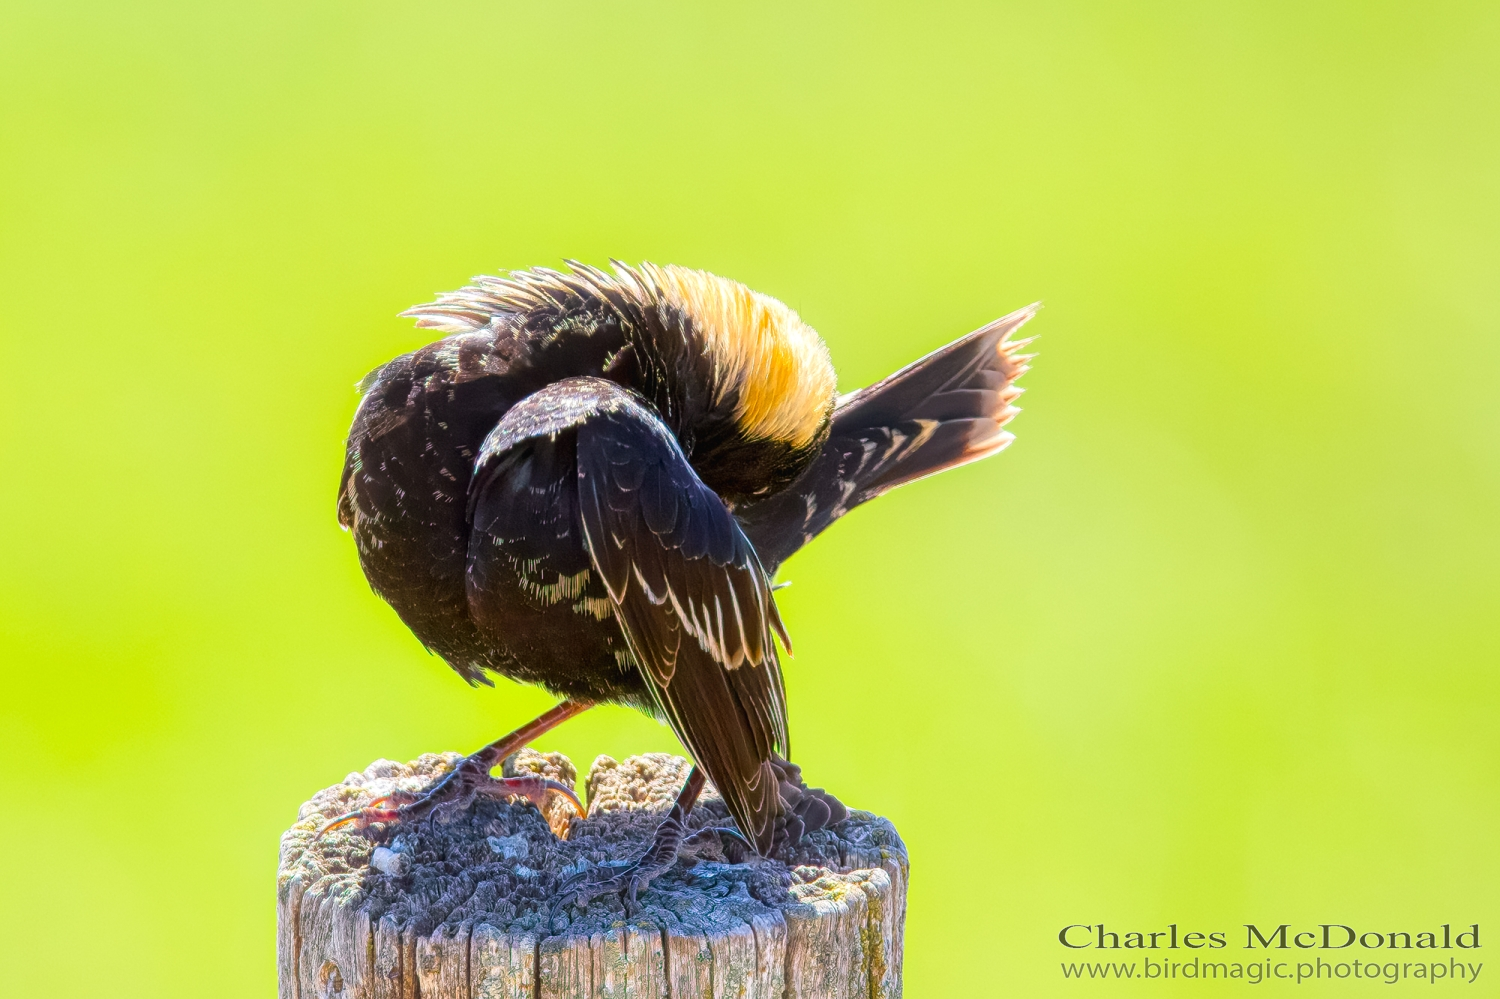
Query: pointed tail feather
(944, 410)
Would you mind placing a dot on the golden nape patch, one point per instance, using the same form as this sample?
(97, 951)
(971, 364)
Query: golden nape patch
(777, 363)
(761, 350)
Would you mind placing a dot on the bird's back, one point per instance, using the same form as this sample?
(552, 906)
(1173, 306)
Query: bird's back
(741, 382)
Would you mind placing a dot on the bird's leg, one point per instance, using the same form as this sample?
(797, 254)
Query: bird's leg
(657, 860)
(459, 786)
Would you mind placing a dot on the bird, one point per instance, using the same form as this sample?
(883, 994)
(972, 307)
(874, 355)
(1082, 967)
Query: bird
(589, 483)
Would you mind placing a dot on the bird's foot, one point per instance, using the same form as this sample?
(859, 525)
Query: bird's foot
(628, 879)
(455, 790)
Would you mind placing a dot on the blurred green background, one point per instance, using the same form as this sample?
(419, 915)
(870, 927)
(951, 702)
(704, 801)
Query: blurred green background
(1215, 642)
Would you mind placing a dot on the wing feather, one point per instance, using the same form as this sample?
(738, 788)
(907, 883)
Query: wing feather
(694, 603)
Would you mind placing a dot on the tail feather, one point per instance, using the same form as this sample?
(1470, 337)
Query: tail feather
(944, 410)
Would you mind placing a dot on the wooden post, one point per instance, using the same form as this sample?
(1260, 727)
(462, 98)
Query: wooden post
(458, 909)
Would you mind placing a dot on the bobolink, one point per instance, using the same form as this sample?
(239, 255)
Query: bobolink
(590, 481)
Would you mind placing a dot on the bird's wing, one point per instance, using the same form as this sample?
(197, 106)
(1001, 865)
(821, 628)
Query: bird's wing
(694, 603)
(941, 411)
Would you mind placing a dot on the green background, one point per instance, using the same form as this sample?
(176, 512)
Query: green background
(1215, 642)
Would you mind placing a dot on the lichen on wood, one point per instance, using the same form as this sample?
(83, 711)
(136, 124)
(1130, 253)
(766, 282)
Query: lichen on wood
(464, 907)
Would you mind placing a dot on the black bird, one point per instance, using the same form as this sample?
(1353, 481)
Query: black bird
(589, 483)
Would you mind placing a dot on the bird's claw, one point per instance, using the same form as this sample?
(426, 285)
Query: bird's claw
(363, 818)
(540, 792)
(707, 831)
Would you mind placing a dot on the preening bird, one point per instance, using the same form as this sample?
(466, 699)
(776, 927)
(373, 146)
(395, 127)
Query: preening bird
(589, 483)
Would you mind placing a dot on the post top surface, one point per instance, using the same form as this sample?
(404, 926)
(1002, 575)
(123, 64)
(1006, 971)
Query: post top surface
(499, 864)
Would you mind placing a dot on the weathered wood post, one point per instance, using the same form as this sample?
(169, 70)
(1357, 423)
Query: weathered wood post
(459, 910)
